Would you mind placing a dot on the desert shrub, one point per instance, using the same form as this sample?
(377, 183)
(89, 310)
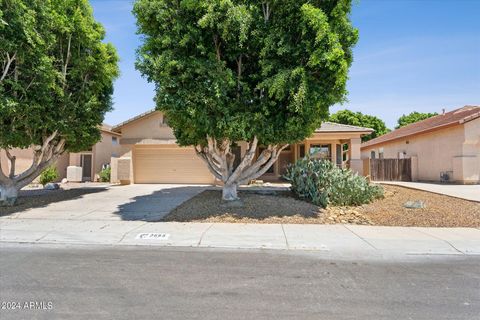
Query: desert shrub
(48, 175)
(323, 183)
(105, 174)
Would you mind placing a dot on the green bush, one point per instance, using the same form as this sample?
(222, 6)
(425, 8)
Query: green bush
(105, 174)
(323, 183)
(48, 175)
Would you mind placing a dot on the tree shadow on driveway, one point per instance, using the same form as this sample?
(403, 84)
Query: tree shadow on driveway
(30, 199)
(157, 205)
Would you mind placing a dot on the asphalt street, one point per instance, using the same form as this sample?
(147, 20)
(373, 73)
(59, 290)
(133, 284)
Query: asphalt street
(80, 282)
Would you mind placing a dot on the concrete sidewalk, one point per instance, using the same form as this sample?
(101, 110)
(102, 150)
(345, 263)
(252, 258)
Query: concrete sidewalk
(467, 192)
(338, 239)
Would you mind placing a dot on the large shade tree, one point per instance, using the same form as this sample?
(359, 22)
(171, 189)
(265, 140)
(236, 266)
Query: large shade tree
(56, 82)
(362, 120)
(261, 72)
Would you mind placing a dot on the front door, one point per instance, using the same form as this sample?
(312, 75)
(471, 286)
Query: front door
(86, 163)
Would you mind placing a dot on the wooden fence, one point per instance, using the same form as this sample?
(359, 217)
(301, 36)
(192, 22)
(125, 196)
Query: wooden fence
(389, 169)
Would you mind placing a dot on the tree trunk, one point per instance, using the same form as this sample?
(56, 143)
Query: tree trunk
(220, 159)
(43, 156)
(8, 195)
(229, 192)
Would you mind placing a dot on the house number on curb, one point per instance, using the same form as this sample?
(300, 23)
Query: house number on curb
(153, 236)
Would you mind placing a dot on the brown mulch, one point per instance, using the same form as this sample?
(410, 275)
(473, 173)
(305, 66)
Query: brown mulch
(283, 207)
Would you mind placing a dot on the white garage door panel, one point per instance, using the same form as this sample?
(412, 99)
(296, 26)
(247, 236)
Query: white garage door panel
(169, 165)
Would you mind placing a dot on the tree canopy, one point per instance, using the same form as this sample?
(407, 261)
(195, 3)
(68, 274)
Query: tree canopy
(57, 73)
(245, 70)
(56, 80)
(361, 120)
(413, 117)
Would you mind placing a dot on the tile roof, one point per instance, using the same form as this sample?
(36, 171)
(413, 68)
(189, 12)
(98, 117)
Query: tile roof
(108, 128)
(455, 117)
(337, 127)
(325, 127)
(141, 115)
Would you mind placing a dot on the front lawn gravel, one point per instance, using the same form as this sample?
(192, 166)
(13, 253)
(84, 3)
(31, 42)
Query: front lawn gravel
(283, 207)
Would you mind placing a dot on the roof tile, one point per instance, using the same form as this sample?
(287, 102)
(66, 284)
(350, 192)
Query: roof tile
(454, 117)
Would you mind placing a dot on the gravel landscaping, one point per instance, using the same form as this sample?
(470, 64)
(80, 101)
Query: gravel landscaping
(283, 207)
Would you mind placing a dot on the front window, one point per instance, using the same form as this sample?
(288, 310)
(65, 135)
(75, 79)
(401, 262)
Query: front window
(301, 150)
(164, 121)
(320, 151)
(114, 141)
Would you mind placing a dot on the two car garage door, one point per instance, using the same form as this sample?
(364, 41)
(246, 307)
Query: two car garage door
(169, 165)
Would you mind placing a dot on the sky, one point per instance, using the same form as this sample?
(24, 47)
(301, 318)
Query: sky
(412, 55)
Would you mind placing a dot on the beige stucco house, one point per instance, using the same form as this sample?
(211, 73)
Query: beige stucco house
(149, 153)
(444, 147)
(91, 161)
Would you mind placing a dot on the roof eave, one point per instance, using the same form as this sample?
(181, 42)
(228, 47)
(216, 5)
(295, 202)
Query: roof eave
(118, 127)
(451, 124)
(344, 131)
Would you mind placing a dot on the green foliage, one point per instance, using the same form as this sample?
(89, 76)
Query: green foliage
(413, 117)
(323, 183)
(49, 175)
(361, 120)
(235, 69)
(105, 174)
(48, 87)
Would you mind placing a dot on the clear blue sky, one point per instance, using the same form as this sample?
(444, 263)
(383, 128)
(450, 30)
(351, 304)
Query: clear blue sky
(421, 55)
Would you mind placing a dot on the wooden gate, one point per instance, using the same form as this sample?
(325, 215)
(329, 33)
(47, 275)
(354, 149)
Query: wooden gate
(391, 169)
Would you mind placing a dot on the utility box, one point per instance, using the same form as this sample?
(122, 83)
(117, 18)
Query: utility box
(74, 174)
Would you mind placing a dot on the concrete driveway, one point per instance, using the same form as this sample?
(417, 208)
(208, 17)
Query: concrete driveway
(142, 202)
(467, 192)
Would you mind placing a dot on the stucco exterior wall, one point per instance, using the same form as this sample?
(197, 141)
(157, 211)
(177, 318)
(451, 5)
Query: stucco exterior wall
(151, 127)
(24, 159)
(435, 151)
(22, 163)
(470, 159)
(101, 152)
(62, 164)
(104, 150)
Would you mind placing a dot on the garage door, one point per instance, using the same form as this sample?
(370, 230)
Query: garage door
(169, 165)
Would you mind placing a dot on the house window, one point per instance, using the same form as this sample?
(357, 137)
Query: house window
(339, 155)
(372, 154)
(114, 141)
(164, 121)
(321, 151)
(301, 150)
(380, 153)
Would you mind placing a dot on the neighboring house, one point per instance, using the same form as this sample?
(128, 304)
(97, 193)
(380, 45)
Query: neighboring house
(91, 161)
(446, 146)
(149, 153)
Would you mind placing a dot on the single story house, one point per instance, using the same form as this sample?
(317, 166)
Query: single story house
(91, 161)
(445, 147)
(149, 152)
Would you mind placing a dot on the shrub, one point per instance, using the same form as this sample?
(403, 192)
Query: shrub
(105, 174)
(48, 175)
(323, 183)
